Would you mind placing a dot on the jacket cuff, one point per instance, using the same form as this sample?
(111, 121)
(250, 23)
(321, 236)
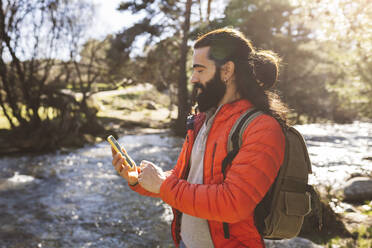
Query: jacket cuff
(133, 186)
(164, 188)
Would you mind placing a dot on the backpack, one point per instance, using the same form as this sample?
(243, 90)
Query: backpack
(281, 212)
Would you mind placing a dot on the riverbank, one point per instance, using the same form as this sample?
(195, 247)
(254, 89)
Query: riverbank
(340, 154)
(138, 109)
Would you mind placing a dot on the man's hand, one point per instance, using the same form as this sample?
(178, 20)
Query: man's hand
(123, 168)
(151, 177)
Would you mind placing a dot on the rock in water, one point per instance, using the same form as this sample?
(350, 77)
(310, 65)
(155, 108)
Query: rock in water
(16, 182)
(358, 189)
(291, 243)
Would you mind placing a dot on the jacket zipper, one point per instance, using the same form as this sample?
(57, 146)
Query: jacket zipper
(184, 174)
(213, 154)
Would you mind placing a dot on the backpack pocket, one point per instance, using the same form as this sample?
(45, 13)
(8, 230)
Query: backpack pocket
(288, 215)
(298, 204)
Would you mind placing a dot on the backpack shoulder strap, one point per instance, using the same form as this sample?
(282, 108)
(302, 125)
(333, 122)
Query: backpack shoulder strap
(233, 144)
(235, 136)
(237, 131)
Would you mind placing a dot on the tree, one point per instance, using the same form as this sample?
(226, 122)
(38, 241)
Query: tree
(164, 21)
(183, 106)
(345, 37)
(34, 35)
(31, 33)
(278, 25)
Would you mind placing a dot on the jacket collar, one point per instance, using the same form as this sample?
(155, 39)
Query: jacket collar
(229, 109)
(224, 112)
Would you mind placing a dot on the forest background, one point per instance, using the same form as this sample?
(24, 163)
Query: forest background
(51, 74)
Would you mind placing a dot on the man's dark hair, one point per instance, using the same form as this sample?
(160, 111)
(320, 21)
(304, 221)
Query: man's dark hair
(256, 71)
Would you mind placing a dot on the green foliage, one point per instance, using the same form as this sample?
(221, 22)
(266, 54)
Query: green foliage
(160, 64)
(312, 82)
(342, 32)
(147, 66)
(275, 25)
(34, 86)
(326, 70)
(166, 27)
(364, 236)
(27, 66)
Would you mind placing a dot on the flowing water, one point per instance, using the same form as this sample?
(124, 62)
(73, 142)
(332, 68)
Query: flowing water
(76, 199)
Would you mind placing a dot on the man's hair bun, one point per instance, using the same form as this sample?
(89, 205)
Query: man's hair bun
(266, 68)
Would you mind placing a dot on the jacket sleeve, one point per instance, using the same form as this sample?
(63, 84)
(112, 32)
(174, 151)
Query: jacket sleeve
(140, 190)
(247, 180)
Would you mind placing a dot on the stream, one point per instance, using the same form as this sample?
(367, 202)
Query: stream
(75, 198)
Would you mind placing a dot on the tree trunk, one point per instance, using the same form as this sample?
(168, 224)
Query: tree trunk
(209, 10)
(183, 106)
(200, 11)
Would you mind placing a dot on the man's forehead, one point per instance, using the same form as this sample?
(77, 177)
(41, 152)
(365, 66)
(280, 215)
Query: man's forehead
(201, 51)
(200, 57)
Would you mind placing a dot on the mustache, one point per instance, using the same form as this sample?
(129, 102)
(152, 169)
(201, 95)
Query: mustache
(194, 92)
(198, 85)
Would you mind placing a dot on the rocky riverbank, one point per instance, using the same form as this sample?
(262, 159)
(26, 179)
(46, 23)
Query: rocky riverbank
(132, 110)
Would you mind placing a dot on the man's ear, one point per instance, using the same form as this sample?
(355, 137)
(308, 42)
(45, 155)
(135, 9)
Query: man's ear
(227, 71)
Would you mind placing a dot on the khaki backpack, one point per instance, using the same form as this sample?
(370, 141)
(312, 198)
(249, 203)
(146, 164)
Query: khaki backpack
(281, 212)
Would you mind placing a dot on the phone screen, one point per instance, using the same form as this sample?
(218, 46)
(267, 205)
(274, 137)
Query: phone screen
(117, 147)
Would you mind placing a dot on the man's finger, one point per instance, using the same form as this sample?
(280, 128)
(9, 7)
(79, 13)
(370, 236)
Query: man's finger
(116, 158)
(118, 165)
(125, 162)
(144, 164)
(148, 164)
(113, 152)
(125, 152)
(124, 169)
(119, 168)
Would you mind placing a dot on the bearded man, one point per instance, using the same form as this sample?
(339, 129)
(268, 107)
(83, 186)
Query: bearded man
(230, 77)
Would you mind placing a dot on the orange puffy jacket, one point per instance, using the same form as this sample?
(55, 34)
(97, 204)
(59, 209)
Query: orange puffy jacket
(234, 198)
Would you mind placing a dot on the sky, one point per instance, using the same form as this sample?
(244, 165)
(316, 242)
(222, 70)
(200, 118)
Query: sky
(108, 20)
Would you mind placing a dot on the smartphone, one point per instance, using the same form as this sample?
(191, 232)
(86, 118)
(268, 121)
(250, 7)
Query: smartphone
(117, 147)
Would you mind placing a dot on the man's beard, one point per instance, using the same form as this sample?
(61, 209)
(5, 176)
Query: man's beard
(210, 95)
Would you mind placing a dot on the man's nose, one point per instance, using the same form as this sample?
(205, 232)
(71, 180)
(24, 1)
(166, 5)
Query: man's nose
(194, 79)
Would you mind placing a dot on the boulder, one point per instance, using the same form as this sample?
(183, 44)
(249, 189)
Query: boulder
(354, 220)
(332, 225)
(291, 243)
(16, 182)
(89, 138)
(150, 105)
(358, 189)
